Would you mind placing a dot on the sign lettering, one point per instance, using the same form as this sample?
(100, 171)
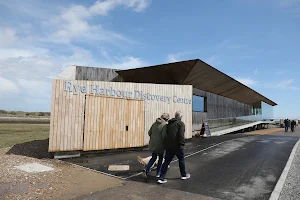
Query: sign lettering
(111, 92)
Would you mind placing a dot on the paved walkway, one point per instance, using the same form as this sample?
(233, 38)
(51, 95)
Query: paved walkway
(242, 167)
(291, 189)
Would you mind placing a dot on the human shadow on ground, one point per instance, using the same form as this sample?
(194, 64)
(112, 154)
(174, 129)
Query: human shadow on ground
(36, 149)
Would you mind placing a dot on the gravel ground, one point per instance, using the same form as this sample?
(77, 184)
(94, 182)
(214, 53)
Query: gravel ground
(66, 181)
(291, 189)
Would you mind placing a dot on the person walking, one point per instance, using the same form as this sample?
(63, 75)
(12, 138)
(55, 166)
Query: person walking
(286, 124)
(174, 144)
(157, 134)
(293, 124)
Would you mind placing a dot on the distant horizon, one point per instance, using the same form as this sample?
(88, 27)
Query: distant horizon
(274, 118)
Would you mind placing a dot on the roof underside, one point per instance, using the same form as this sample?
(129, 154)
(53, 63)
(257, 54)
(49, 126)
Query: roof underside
(199, 74)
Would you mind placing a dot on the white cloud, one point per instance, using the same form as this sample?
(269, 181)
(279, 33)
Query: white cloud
(288, 3)
(213, 60)
(7, 36)
(73, 22)
(286, 84)
(291, 6)
(246, 81)
(8, 87)
(103, 7)
(173, 58)
(255, 72)
(128, 62)
(40, 89)
(30, 55)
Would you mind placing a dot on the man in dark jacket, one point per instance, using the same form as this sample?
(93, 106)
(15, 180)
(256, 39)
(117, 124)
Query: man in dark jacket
(293, 124)
(286, 124)
(157, 134)
(174, 144)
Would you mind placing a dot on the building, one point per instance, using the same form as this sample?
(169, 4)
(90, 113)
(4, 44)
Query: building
(98, 108)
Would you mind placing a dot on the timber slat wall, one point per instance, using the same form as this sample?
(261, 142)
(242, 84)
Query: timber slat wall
(106, 121)
(198, 119)
(67, 113)
(222, 107)
(96, 74)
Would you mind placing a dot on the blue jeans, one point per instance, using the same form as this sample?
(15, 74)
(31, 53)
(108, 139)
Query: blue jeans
(170, 153)
(152, 160)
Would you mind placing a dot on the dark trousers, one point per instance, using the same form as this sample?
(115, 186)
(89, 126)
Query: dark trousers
(292, 128)
(170, 153)
(286, 128)
(152, 160)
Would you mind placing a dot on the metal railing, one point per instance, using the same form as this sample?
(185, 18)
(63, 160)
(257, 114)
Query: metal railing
(233, 121)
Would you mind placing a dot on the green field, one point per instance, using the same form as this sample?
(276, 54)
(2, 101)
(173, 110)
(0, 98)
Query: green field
(5, 113)
(11, 134)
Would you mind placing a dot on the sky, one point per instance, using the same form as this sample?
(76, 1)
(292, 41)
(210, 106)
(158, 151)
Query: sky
(256, 42)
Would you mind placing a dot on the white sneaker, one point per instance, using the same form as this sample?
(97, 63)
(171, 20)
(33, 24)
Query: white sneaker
(162, 181)
(187, 176)
(158, 175)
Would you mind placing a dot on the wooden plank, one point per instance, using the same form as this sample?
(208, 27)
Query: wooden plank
(81, 109)
(60, 134)
(97, 99)
(68, 120)
(101, 123)
(76, 122)
(87, 124)
(56, 116)
(93, 121)
(97, 122)
(52, 117)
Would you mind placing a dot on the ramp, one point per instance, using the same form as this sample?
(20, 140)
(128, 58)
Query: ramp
(237, 128)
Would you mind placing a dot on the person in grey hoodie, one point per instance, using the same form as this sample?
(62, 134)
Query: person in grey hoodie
(157, 134)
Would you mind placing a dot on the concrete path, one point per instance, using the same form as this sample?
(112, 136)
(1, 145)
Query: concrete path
(291, 189)
(239, 167)
(102, 161)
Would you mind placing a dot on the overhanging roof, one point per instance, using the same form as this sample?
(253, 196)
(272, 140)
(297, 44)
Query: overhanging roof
(199, 74)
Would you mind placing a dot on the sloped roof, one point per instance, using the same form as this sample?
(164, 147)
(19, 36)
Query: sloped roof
(199, 74)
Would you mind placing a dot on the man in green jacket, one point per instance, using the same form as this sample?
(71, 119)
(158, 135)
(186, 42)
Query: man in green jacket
(174, 144)
(157, 134)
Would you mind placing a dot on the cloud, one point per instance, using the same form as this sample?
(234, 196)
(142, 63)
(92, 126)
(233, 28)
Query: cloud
(173, 58)
(30, 58)
(103, 7)
(33, 88)
(255, 72)
(291, 6)
(73, 23)
(288, 3)
(127, 62)
(213, 60)
(286, 84)
(8, 87)
(246, 81)
(7, 36)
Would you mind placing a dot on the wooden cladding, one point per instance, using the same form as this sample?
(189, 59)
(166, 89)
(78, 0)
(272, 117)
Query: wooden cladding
(112, 123)
(68, 125)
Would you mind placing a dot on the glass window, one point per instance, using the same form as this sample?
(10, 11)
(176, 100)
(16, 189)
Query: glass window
(267, 111)
(198, 104)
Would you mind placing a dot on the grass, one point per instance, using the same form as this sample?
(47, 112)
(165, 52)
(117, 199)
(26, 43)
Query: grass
(5, 113)
(11, 134)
